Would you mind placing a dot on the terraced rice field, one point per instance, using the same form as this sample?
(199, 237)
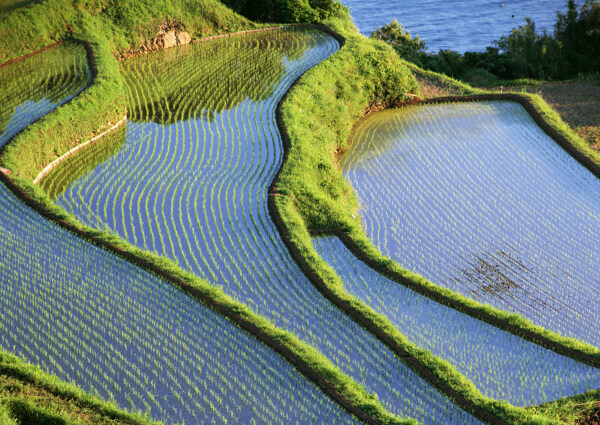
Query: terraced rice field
(94, 319)
(190, 183)
(476, 198)
(501, 365)
(84, 161)
(34, 86)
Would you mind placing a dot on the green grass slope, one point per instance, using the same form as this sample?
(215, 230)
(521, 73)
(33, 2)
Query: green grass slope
(30, 396)
(107, 30)
(319, 115)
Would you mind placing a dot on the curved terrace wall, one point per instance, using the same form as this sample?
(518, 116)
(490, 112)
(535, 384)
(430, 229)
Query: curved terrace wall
(78, 401)
(293, 213)
(277, 204)
(357, 241)
(66, 127)
(331, 328)
(311, 363)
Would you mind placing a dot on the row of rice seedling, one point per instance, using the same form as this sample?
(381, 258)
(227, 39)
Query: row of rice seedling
(190, 183)
(94, 319)
(30, 88)
(111, 328)
(82, 162)
(501, 365)
(172, 89)
(486, 204)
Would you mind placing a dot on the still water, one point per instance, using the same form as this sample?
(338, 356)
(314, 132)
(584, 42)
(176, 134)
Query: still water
(460, 25)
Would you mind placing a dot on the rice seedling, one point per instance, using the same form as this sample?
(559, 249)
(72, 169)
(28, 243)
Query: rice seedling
(476, 198)
(33, 87)
(190, 183)
(94, 319)
(501, 365)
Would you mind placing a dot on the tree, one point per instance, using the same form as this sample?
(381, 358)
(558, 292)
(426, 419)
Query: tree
(407, 47)
(578, 37)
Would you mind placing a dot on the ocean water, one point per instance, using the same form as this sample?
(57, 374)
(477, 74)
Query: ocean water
(459, 25)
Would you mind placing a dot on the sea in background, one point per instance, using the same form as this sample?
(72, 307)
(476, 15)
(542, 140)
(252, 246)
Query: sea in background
(459, 25)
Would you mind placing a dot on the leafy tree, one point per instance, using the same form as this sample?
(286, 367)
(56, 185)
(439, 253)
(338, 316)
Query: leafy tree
(529, 51)
(578, 37)
(283, 10)
(573, 48)
(407, 47)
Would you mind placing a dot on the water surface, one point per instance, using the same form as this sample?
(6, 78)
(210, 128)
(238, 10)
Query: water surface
(191, 182)
(459, 25)
(477, 198)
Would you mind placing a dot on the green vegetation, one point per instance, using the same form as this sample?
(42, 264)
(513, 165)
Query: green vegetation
(318, 198)
(319, 113)
(285, 10)
(122, 25)
(303, 356)
(88, 114)
(84, 161)
(59, 74)
(253, 71)
(573, 410)
(311, 192)
(573, 49)
(577, 102)
(7, 6)
(23, 411)
(178, 154)
(109, 27)
(30, 396)
(408, 48)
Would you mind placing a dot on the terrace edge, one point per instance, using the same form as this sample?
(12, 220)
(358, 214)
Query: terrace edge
(318, 369)
(359, 244)
(437, 372)
(14, 366)
(90, 235)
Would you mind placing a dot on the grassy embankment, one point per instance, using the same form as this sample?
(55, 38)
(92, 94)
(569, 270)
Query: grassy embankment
(88, 114)
(112, 30)
(322, 198)
(576, 101)
(30, 396)
(319, 114)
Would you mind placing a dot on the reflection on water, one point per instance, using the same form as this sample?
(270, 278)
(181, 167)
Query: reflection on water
(94, 319)
(172, 85)
(82, 162)
(194, 188)
(32, 87)
(477, 198)
(501, 365)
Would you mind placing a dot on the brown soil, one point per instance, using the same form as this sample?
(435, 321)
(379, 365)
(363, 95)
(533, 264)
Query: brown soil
(22, 58)
(431, 88)
(577, 102)
(171, 33)
(591, 418)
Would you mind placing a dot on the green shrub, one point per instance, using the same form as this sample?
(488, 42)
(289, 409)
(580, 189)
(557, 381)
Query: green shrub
(480, 77)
